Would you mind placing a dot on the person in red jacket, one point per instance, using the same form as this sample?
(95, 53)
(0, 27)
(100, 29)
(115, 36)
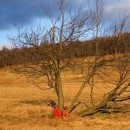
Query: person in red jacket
(56, 112)
(65, 113)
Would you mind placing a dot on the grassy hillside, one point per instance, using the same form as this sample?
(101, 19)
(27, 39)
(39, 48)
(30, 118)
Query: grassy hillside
(22, 107)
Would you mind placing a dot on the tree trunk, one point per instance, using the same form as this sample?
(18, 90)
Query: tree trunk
(60, 95)
(89, 112)
(102, 105)
(72, 105)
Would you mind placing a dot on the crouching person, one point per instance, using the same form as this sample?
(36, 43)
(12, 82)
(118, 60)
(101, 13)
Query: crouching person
(56, 112)
(65, 113)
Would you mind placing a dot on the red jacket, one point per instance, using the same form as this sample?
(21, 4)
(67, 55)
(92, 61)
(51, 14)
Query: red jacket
(56, 113)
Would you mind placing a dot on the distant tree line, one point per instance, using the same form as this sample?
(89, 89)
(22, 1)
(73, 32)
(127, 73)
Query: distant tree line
(108, 45)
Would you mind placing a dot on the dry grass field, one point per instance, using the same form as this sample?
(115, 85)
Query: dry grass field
(22, 107)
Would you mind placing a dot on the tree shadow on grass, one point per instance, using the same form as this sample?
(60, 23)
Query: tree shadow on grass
(39, 102)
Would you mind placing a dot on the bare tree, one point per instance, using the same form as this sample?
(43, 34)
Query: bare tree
(97, 21)
(95, 70)
(46, 56)
(120, 85)
(108, 71)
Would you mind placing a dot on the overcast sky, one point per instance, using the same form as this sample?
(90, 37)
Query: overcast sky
(28, 11)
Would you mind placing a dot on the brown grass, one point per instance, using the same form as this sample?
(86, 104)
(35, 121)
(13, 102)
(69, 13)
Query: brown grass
(21, 107)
